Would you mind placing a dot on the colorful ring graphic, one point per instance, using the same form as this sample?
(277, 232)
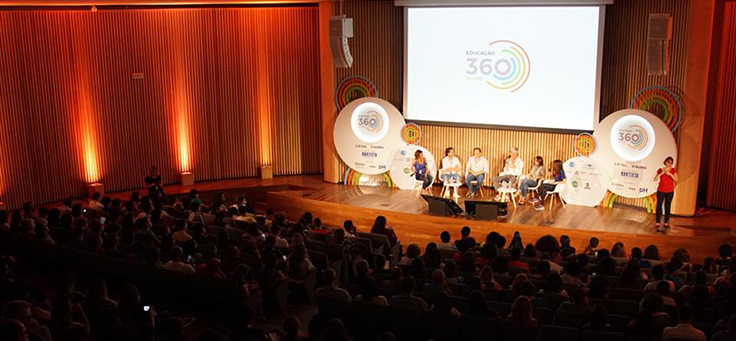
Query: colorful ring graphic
(512, 66)
(411, 133)
(352, 88)
(658, 96)
(585, 144)
(638, 140)
(352, 178)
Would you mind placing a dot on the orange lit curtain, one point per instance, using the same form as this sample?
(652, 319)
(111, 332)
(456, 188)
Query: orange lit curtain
(71, 112)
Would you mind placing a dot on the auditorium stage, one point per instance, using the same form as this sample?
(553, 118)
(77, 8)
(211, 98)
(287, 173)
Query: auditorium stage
(408, 214)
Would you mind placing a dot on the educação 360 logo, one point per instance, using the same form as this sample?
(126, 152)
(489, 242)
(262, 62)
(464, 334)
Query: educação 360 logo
(504, 65)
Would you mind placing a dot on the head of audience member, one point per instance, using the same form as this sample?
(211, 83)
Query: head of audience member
(547, 243)
(450, 270)
(725, 251)
(442, 303)
(543, 269)
(651, 252)
(519, 279)
(663, 288)
(530, 251)
(593, 243)
(476, 284)
(380, 262)
(379, 225)
(449, 152)
(445, 237)
(618, 250)
(317, 224)
(636, 254)
(407, 285)
(658, 272)
(573, 269)
(362, 269)
(682, 255)
(413, 251)
(349, 227)
(607, 266)
(552, 283)
(477, 305)
(465, 232)
(467, 262)
(489, 252)
(521, 311)
(291, 327)
(369, 289)
(602, 253)
(500, 265)
(486, 274)
(582, 259)
(432, 257)
(527, 288)
(477, 152)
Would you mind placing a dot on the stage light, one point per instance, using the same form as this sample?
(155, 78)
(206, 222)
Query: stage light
(94, 9)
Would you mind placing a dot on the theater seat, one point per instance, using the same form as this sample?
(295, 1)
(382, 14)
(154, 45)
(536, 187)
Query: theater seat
(439, 326)
(601, 336)
(510, 331)
(474, 328)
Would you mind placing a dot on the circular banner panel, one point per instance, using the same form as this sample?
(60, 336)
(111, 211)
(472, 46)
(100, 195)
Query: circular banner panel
(585, 144)
(366, 133)
(411, 133)
(352, 88)
(632, 144)
(401, 169)
(662, 101)
(587, 181)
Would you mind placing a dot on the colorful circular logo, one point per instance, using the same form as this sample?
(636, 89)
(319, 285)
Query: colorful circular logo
(352, 88)
(632, 138)
(507, 68)
(369, 122)
(659, 101)
(585, 144)
(411, 133)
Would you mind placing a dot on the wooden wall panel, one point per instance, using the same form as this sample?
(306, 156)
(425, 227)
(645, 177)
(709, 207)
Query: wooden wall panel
(722, 150)
(225, 90)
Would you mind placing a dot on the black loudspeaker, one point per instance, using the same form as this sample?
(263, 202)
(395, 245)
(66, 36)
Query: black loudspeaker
(659, 34)
(486, 210)
(442, 206)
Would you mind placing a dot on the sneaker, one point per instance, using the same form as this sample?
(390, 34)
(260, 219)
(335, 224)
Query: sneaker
(539, 207)
(533, 200)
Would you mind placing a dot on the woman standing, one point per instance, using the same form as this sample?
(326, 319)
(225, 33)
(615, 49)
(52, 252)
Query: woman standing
(667, 178)
(532, 179)
(558, 176)
(421, 170)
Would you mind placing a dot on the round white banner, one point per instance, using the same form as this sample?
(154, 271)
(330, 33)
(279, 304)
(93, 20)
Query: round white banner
(587, 181)
(401, 169)
(632, 145)
(366, 133)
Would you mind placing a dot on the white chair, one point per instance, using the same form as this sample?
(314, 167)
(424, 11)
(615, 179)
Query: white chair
(556, 193)
(447, 187)
(506, 192)
(536, 188)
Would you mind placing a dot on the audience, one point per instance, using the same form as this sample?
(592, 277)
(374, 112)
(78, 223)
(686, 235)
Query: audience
(684, 330)
(407, 299)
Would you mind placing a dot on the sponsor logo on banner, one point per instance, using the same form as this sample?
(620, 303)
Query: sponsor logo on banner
(632, 138)
(504, 65)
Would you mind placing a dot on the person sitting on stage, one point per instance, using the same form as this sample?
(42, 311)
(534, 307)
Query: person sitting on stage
(535, 175)
(511, 170)
(558, 174)
(420, 169)
(451, 167)
(475, 170)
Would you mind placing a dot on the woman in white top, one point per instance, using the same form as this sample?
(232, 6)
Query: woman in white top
(535, 175)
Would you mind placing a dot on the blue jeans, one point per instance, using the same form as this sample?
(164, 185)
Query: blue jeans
(426, 179)
(447, 176)
(470, 178)
(525, 184)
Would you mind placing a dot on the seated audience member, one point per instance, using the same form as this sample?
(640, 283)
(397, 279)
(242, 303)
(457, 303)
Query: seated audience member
(431, 257)
(445, 242)
(558, 178)
(599, 287)
(407, 299)
(516, 260)
(671, 269)
(369, 293)
(350, 229)
(95, 204)
(663, 289)
(175, 262)
(335, 331)
(553, 285)
(658, 274)
(512, 169)
(465, 237)
(412, 252)
(618, 250)
(276, 233)
(571, 277)
(291, 327)
(488, 254)
(443, 304)
(725, 252)
(13, 330)
(637, 255)
(488, 279)
(530, 251)
(437, 285)
(451, 273)
(684, 330)
(598, 320)
(298, 263)
(475, 170)
(565, 243)
(330, 290)
(380, 227)
(522, 312)
(317, 227)
(729, 334)
(592, 247)
(241, 329)
(651, 253)
(579, 304)
(527, 290)
(477, 306)
(22, 311)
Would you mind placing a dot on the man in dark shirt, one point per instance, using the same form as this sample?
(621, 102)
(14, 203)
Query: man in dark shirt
(407, 298)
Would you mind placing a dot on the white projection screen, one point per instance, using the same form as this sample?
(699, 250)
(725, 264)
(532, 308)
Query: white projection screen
(530, 67)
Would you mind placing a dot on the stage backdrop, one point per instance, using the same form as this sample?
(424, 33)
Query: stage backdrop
(378, 45)
(223, 91)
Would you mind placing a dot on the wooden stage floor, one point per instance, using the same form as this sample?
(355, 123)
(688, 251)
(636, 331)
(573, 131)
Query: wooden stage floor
(408, 215)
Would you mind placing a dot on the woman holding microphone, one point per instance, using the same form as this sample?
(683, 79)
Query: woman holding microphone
(667, 178)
